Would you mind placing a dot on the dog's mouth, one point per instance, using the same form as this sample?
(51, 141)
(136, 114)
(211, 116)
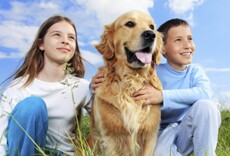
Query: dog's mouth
(143, 56)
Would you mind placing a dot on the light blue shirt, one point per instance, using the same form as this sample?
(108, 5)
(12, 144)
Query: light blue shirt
(180, 90)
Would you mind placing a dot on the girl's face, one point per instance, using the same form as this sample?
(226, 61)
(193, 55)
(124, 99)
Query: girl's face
(59, 43)
(179, 47)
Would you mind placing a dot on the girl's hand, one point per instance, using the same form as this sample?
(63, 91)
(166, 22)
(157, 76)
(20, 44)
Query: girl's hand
(97, 80)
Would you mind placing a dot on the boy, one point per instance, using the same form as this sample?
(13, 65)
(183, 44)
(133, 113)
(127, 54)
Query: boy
(189, 119)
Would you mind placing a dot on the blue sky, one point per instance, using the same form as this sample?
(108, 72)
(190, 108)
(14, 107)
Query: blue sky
(209, 20)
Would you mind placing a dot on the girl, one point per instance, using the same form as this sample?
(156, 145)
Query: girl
(39, 108)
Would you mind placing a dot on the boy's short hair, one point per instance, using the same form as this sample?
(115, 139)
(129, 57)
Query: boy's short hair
(164, 28)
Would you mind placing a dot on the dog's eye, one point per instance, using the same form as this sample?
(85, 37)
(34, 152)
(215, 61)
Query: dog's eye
(130, 24)
(152, 27)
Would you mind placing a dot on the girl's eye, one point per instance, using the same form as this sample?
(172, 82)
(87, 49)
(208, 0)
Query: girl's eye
(72, 37)
(57, 34)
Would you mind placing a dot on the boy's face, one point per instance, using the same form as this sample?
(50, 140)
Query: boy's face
(179, 47)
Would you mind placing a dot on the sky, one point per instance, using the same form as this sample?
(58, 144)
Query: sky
(209, 21)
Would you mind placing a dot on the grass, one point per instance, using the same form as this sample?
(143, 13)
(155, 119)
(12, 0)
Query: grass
(223, 146)
(85, 124)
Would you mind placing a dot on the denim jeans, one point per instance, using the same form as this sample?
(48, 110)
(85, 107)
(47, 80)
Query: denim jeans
(197, 132)
(31, 115)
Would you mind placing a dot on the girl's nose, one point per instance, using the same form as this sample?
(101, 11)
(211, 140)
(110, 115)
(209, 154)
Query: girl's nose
(65, 40)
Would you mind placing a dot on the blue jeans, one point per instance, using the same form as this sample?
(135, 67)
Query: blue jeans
(31, 114)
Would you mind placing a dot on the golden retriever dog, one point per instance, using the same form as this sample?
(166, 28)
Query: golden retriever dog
(121, 126)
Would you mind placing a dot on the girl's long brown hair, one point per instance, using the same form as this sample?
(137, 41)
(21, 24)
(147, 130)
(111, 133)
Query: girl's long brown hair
(34, 59)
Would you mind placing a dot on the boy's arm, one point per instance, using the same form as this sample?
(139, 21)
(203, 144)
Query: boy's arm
(185, 96)
(200, 89)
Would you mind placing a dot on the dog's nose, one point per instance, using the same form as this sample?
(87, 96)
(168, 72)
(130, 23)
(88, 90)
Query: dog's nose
(148, 35)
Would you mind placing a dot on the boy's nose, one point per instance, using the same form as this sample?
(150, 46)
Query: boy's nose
(187, 44)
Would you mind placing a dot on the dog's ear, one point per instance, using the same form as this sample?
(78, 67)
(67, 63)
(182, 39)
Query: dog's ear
(106, 46)
(157, 53)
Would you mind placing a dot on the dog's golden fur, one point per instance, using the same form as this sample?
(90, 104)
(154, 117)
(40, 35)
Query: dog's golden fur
(121, 126)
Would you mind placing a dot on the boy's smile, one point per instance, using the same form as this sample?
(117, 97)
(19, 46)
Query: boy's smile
(186, 54)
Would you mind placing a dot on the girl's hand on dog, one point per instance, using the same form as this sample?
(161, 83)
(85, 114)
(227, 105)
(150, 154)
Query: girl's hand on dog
(97, 80)
(149, 95)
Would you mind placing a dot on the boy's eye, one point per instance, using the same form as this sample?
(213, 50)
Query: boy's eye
(178, 39)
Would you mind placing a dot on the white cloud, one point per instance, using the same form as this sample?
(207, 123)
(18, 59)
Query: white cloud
(90, 57)
(10, 55)
(48, 5)
(217, 70)
(183, 6)
(93, 42)
(190, 19)
(3, 55)
(16, 36)
(28, 12)
(223, 100)
(20, 22)
(81, 44)
(226, 94)
(213, 69)
(106, 10)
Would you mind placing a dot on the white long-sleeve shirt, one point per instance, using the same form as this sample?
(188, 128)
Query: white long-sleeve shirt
(62, 100)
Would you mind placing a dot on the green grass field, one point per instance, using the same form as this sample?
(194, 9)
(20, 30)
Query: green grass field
(223, 146)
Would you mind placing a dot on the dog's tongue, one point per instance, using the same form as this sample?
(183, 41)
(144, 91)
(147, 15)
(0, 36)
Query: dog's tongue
(144, 57)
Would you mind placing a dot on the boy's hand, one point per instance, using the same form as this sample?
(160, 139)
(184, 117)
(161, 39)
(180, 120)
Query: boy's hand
(97, 80)
(149, 94)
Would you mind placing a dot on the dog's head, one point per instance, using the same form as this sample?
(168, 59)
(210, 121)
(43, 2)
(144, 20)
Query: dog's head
(132, 39)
